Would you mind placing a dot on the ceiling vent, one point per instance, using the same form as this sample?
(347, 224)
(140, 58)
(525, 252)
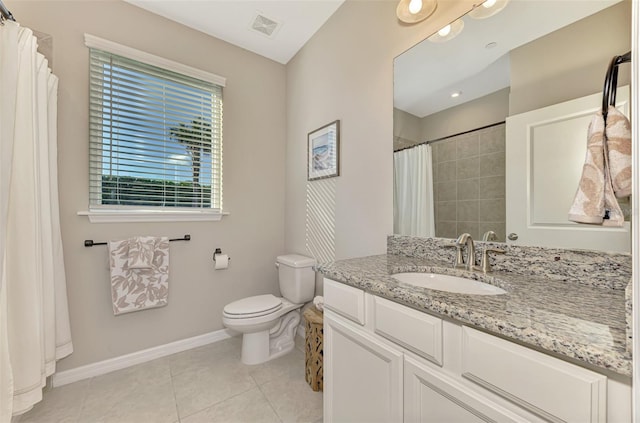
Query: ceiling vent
(265, 26)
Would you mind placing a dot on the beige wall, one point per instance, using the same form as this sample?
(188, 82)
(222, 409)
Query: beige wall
(552, 69)
(487, 110)
(346, 72)
(409, 130)
(406, 129)
(254, 151)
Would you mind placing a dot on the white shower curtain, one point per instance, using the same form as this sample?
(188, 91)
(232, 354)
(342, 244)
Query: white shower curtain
(34, 319)
(413, 212)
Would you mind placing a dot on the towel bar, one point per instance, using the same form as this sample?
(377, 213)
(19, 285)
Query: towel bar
(90, 243)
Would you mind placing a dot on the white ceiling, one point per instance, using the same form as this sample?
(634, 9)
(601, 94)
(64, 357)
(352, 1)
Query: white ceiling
(426, 75)
(231, 21)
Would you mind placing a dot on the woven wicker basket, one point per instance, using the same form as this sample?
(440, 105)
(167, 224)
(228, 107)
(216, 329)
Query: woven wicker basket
(313, 348)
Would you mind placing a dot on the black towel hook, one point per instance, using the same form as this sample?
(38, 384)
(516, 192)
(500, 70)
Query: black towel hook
(611, 82)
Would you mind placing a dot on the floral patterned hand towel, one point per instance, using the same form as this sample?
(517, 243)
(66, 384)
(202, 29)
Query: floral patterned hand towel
(594, 199)
(134, 289)
(141, 252)
(618, 138)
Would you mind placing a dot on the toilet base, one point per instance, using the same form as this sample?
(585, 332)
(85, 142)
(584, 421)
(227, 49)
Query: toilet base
(260, 347)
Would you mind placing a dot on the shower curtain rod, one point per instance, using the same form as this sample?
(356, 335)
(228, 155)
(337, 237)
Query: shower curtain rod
(5, 12)
(448, 136)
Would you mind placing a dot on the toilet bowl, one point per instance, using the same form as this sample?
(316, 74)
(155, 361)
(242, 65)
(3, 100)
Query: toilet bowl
(268, 326)
(268, 323)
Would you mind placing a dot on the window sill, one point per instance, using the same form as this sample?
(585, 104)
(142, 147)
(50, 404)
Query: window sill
(129, 216)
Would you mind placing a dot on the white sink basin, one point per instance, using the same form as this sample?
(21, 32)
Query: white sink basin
(448, 283)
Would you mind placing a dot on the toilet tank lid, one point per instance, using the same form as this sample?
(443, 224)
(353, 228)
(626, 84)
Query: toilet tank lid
(296, 260)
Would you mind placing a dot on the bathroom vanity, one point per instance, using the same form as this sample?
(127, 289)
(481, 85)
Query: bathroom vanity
(553, 348)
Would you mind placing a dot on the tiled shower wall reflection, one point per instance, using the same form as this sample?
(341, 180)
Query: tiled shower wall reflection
(469, 183)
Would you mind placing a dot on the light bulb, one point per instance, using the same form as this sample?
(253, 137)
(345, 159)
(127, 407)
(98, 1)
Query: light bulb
(489, 4)
(414, 11)
(448, 32)
(415, 6)
(445, 31)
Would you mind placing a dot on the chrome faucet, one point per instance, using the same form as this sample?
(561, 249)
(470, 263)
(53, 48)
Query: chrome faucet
(489, 236)
(485, 264)
(466, 240)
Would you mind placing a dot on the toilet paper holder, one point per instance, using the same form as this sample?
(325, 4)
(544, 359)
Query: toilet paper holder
(216, 252)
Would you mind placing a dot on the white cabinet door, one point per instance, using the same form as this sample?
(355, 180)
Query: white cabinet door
(362, 377)
(433, 397)
(545, 153)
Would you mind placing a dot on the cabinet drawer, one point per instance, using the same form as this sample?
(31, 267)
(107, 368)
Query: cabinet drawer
(432, 396)
(414, 330)
(556, 390)
(344, 300)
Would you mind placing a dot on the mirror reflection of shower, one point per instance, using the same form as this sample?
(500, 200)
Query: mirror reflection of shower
(465, 186)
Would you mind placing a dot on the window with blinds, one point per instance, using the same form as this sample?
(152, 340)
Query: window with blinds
(155, 137)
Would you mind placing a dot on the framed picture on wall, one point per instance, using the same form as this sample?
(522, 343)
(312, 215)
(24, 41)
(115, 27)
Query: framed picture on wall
(324, 152)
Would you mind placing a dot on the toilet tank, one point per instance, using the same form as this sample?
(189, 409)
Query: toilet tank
(297, 278)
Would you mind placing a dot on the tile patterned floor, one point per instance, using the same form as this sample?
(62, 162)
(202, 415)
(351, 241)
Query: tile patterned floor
(203, 385)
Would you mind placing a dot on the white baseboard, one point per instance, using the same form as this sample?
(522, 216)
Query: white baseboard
(138, 357)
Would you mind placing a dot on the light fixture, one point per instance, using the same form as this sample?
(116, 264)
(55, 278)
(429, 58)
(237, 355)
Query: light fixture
(456, 94)
(414, 11)
(488, 9)
(448, 32)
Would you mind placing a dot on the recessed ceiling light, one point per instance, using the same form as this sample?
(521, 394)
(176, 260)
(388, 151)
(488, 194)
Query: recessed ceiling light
(456, 94)
(491, 45)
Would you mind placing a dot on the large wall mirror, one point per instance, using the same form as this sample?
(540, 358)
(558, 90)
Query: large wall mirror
(490, 126)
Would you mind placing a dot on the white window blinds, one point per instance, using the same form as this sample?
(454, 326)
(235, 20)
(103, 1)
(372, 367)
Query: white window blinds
(155, 137)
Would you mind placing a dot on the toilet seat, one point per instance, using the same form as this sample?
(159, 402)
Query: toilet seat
(256, 306)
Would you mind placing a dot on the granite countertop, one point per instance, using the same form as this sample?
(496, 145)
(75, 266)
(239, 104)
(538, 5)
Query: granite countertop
(584, 323)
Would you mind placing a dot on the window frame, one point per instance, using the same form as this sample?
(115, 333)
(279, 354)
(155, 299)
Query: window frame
(115, 213)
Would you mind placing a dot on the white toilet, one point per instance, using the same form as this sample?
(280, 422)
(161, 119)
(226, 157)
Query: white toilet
(268, 323)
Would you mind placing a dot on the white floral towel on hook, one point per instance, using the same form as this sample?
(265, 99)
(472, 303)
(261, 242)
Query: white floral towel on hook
(618, 138)
(595, 197)
(134, 289)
